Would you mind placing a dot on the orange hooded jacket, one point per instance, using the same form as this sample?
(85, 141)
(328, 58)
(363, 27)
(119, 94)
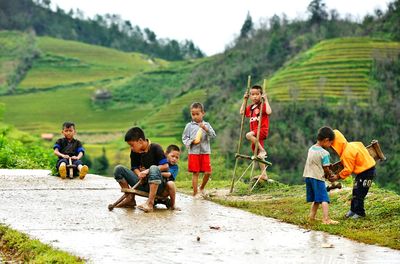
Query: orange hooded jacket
(353, 155)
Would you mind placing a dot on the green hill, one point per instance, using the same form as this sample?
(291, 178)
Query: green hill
(68, 62)
(333, 69)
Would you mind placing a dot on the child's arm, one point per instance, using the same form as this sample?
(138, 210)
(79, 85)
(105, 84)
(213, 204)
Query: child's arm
(80, 150)
(268, 109)
(329, 175)
(186, 140)
(59, 154)
(166, 174)
(209, 130)
(242, 108)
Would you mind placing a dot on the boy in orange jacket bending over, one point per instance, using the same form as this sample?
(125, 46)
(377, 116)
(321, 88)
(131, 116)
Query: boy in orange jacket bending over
(355, 159)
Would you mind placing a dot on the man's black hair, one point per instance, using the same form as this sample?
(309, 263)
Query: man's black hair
(172, 147)
(197, 105)
(68, 125)
(325, 132)
(134, 134)
(258, 87)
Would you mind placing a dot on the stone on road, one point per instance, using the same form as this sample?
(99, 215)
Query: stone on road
(72, 215)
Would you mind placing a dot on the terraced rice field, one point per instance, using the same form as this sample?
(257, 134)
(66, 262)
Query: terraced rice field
(334, 70)
(66, 62)
(168, 120)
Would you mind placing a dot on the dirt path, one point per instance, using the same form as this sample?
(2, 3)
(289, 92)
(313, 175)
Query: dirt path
(72, 215)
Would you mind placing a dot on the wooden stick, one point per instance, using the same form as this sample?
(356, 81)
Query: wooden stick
(253, 158)
(241, 132)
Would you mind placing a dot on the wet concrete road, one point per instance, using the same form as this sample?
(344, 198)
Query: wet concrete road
(72, 215)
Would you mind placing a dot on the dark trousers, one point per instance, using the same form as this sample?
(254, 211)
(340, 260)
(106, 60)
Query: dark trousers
(360, 189)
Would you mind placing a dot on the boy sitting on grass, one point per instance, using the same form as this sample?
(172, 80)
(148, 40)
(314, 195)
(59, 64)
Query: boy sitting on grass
(317, 166)
(68, 147)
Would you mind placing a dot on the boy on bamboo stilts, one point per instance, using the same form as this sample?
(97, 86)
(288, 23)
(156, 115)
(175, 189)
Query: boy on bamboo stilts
(253, 112)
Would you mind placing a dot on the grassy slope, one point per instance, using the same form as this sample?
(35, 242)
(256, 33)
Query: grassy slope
(66, 62)
(333, 68)
(12, 46)
(287, 203)
(19, 248)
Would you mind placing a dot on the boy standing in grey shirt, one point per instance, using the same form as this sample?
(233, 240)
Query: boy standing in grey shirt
(196, 137)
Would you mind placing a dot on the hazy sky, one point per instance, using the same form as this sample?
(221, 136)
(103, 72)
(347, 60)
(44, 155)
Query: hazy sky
(211, 24)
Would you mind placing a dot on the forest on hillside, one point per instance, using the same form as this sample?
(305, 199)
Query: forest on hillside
(108, 30)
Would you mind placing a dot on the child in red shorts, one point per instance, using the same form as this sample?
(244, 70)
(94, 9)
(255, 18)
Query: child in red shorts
(196, 137)
(253, 112)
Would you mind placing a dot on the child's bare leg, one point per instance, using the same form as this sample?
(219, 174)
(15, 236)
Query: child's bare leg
(252, 137)
(172, 193)
(263, 175)
(325, 215)
(313, 211)
(195, 180)
(206, 177)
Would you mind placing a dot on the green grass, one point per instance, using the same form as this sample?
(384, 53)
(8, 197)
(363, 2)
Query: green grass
(22, 249)
(66, 62)
(334, 69)
(46, 111)
(14, 45)
(287, 203)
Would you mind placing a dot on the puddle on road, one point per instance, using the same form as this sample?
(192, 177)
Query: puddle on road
(78, 221)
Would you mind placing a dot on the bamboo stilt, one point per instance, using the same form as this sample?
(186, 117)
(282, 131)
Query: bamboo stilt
(241, 133)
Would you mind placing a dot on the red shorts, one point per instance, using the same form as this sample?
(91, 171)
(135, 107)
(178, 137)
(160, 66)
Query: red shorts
(199, 163)
(263, 136)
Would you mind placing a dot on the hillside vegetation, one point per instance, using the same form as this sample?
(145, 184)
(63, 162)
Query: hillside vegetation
(108, 30)
(68, 62)
(332, 69)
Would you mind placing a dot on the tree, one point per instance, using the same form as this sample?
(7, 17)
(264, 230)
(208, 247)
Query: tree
(247, 27)
(101, 164)
(318, 12)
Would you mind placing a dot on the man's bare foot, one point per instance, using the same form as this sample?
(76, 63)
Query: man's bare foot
(145, 207)
(330, 222)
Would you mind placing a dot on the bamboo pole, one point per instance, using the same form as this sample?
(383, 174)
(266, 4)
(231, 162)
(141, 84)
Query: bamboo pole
(241, 133)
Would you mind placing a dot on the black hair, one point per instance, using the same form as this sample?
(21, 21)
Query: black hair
(258, 87)
(134, 134)
(171, 148)
(197, 105)
(325, 132)
(68, 125)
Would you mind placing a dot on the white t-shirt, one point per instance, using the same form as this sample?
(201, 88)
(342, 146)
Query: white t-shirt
(316, 159)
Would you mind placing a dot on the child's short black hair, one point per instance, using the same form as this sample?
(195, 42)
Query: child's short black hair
(134, 134)
(258, 87)
(68, 125)
(197, 105)
(325, 132)
(171, 148)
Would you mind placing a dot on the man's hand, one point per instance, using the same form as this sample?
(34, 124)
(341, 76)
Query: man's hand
(74, 158)
(143, 174)
(65, 156)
